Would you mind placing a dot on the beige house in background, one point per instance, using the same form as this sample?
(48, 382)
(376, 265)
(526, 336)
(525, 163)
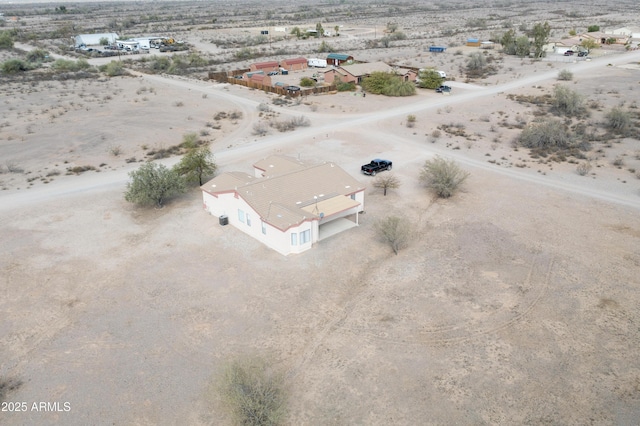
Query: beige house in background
(356, 72)
(286, 204)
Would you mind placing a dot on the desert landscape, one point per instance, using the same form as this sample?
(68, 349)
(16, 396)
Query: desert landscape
(514, 302)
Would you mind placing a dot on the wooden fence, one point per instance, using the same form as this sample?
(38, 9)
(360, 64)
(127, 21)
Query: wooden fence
(225, 77)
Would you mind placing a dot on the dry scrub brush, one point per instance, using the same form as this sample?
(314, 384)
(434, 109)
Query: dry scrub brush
(253, 393)
(395, 231)
(443, 177)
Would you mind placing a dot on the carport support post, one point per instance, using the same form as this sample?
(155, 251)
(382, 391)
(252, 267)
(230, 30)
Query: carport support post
(357, 218)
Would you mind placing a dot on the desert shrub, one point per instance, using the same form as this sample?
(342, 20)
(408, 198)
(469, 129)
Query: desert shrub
(160, 64)
(113, 68)
(565, 75)
(263, 107)
(244, 54)
(443, 177)
(260, 129)
(6, 41)
(345, 87)
(307, 82)
(13, 66)
(411, 120)
(583, 168)
(476, 64)
(7, 386)
(618, 120)
(395, 231)
(66, 65)
(253, 393)
(37, 55)
(548, 134)
(290, 124)
(567, 101)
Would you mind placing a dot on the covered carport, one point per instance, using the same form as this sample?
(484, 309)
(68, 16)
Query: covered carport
(334, 214)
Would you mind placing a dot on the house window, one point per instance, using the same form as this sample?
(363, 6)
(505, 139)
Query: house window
(264, 228)
(248, 220)
(294, 239)
(353, 196)
(241, 215)
(305, 236)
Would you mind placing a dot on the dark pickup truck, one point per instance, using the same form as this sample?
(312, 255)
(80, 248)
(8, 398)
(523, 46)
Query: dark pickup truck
(376, 166)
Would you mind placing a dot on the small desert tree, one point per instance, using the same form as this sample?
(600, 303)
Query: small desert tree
(508, 42)
(386, 181)
(443, 177)
(523, 46)
(589, 44)
(253, 393)
(196, 164)
(152, 184)
(395, 231)
(540, 33)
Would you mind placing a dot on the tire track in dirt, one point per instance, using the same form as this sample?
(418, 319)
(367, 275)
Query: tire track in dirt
(462, 333)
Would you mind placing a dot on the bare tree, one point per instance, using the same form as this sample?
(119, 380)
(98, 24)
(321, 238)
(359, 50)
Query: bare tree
(386, 181)
(395, 231)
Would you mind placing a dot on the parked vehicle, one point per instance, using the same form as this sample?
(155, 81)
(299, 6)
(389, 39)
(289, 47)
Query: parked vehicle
(443, 89)
(318, 63)
(568, 53)
(292, 88)
(376, 166)
(273, 73)
(583, 53)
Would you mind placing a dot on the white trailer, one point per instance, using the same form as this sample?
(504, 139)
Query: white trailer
(316, 62)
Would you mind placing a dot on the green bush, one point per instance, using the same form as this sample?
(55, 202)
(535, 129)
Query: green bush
(13, 66)
(37, 55)
(6, 41)
(388, 84)
(307, 82)
(113, 68)
(66, 65)
(341, 86)
(398, 87)
(429, 79)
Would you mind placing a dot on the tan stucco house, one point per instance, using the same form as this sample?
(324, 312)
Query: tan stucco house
(286, 204)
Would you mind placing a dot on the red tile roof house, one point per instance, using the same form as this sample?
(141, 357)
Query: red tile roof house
(287, 205)
(264, 66)
(356, 72)
(295, 64)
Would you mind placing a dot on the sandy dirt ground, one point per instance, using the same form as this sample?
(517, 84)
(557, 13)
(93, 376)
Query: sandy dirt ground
(516, 301)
